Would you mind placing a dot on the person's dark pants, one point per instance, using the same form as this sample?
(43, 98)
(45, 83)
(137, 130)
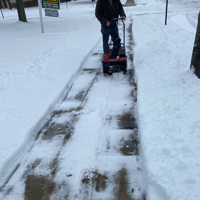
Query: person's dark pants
(106, 31)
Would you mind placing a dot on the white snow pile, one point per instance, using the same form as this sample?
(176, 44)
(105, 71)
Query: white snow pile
(168, 99)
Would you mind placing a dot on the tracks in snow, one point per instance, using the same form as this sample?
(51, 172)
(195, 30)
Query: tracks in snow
(89, 149)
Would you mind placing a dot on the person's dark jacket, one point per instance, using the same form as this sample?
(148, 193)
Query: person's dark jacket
(102, 11)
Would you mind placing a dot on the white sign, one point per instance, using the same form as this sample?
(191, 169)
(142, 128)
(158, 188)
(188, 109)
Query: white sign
(51, 12)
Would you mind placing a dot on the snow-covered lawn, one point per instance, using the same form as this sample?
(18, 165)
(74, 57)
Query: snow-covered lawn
(168, 99)
(36, 68)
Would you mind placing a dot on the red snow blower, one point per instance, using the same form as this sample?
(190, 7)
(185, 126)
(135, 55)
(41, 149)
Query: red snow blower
(115, 59)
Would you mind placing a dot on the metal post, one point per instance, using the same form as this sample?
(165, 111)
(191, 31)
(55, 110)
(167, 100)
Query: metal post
(1, 10)
(166, 12)
(123, 31)
(41, 19)
(2, 13)
(92, 3)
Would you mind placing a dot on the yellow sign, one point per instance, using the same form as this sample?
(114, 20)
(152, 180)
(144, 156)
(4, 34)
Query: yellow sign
(50, 1)
(55, 4)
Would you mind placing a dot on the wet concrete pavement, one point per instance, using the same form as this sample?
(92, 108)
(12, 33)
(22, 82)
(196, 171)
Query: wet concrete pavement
(116, 172)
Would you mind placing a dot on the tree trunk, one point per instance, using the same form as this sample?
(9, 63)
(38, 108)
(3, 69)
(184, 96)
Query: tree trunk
(196, 51)
(21, 11)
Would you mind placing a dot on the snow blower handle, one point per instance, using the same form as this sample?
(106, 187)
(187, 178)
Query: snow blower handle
(116, 19)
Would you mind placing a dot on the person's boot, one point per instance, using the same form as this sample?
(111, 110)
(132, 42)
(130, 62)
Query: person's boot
(115, 49)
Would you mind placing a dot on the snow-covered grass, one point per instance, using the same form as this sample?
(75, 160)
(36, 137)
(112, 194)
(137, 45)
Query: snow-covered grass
(168, 100)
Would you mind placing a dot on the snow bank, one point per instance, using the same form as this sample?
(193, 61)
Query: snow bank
(36, 70)
(168, 102)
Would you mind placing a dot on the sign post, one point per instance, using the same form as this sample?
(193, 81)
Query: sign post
(1, 11)
(92, 3)
(51, 7)
(166, 12)
(41, 19)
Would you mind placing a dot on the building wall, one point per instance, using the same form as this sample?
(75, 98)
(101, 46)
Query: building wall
(27, 3)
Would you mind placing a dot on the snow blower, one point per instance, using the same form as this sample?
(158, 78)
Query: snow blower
(115, 59)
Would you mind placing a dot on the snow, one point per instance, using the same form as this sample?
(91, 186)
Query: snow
(36, 69)
(168, 101)
(182, 21)
(89, 150)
